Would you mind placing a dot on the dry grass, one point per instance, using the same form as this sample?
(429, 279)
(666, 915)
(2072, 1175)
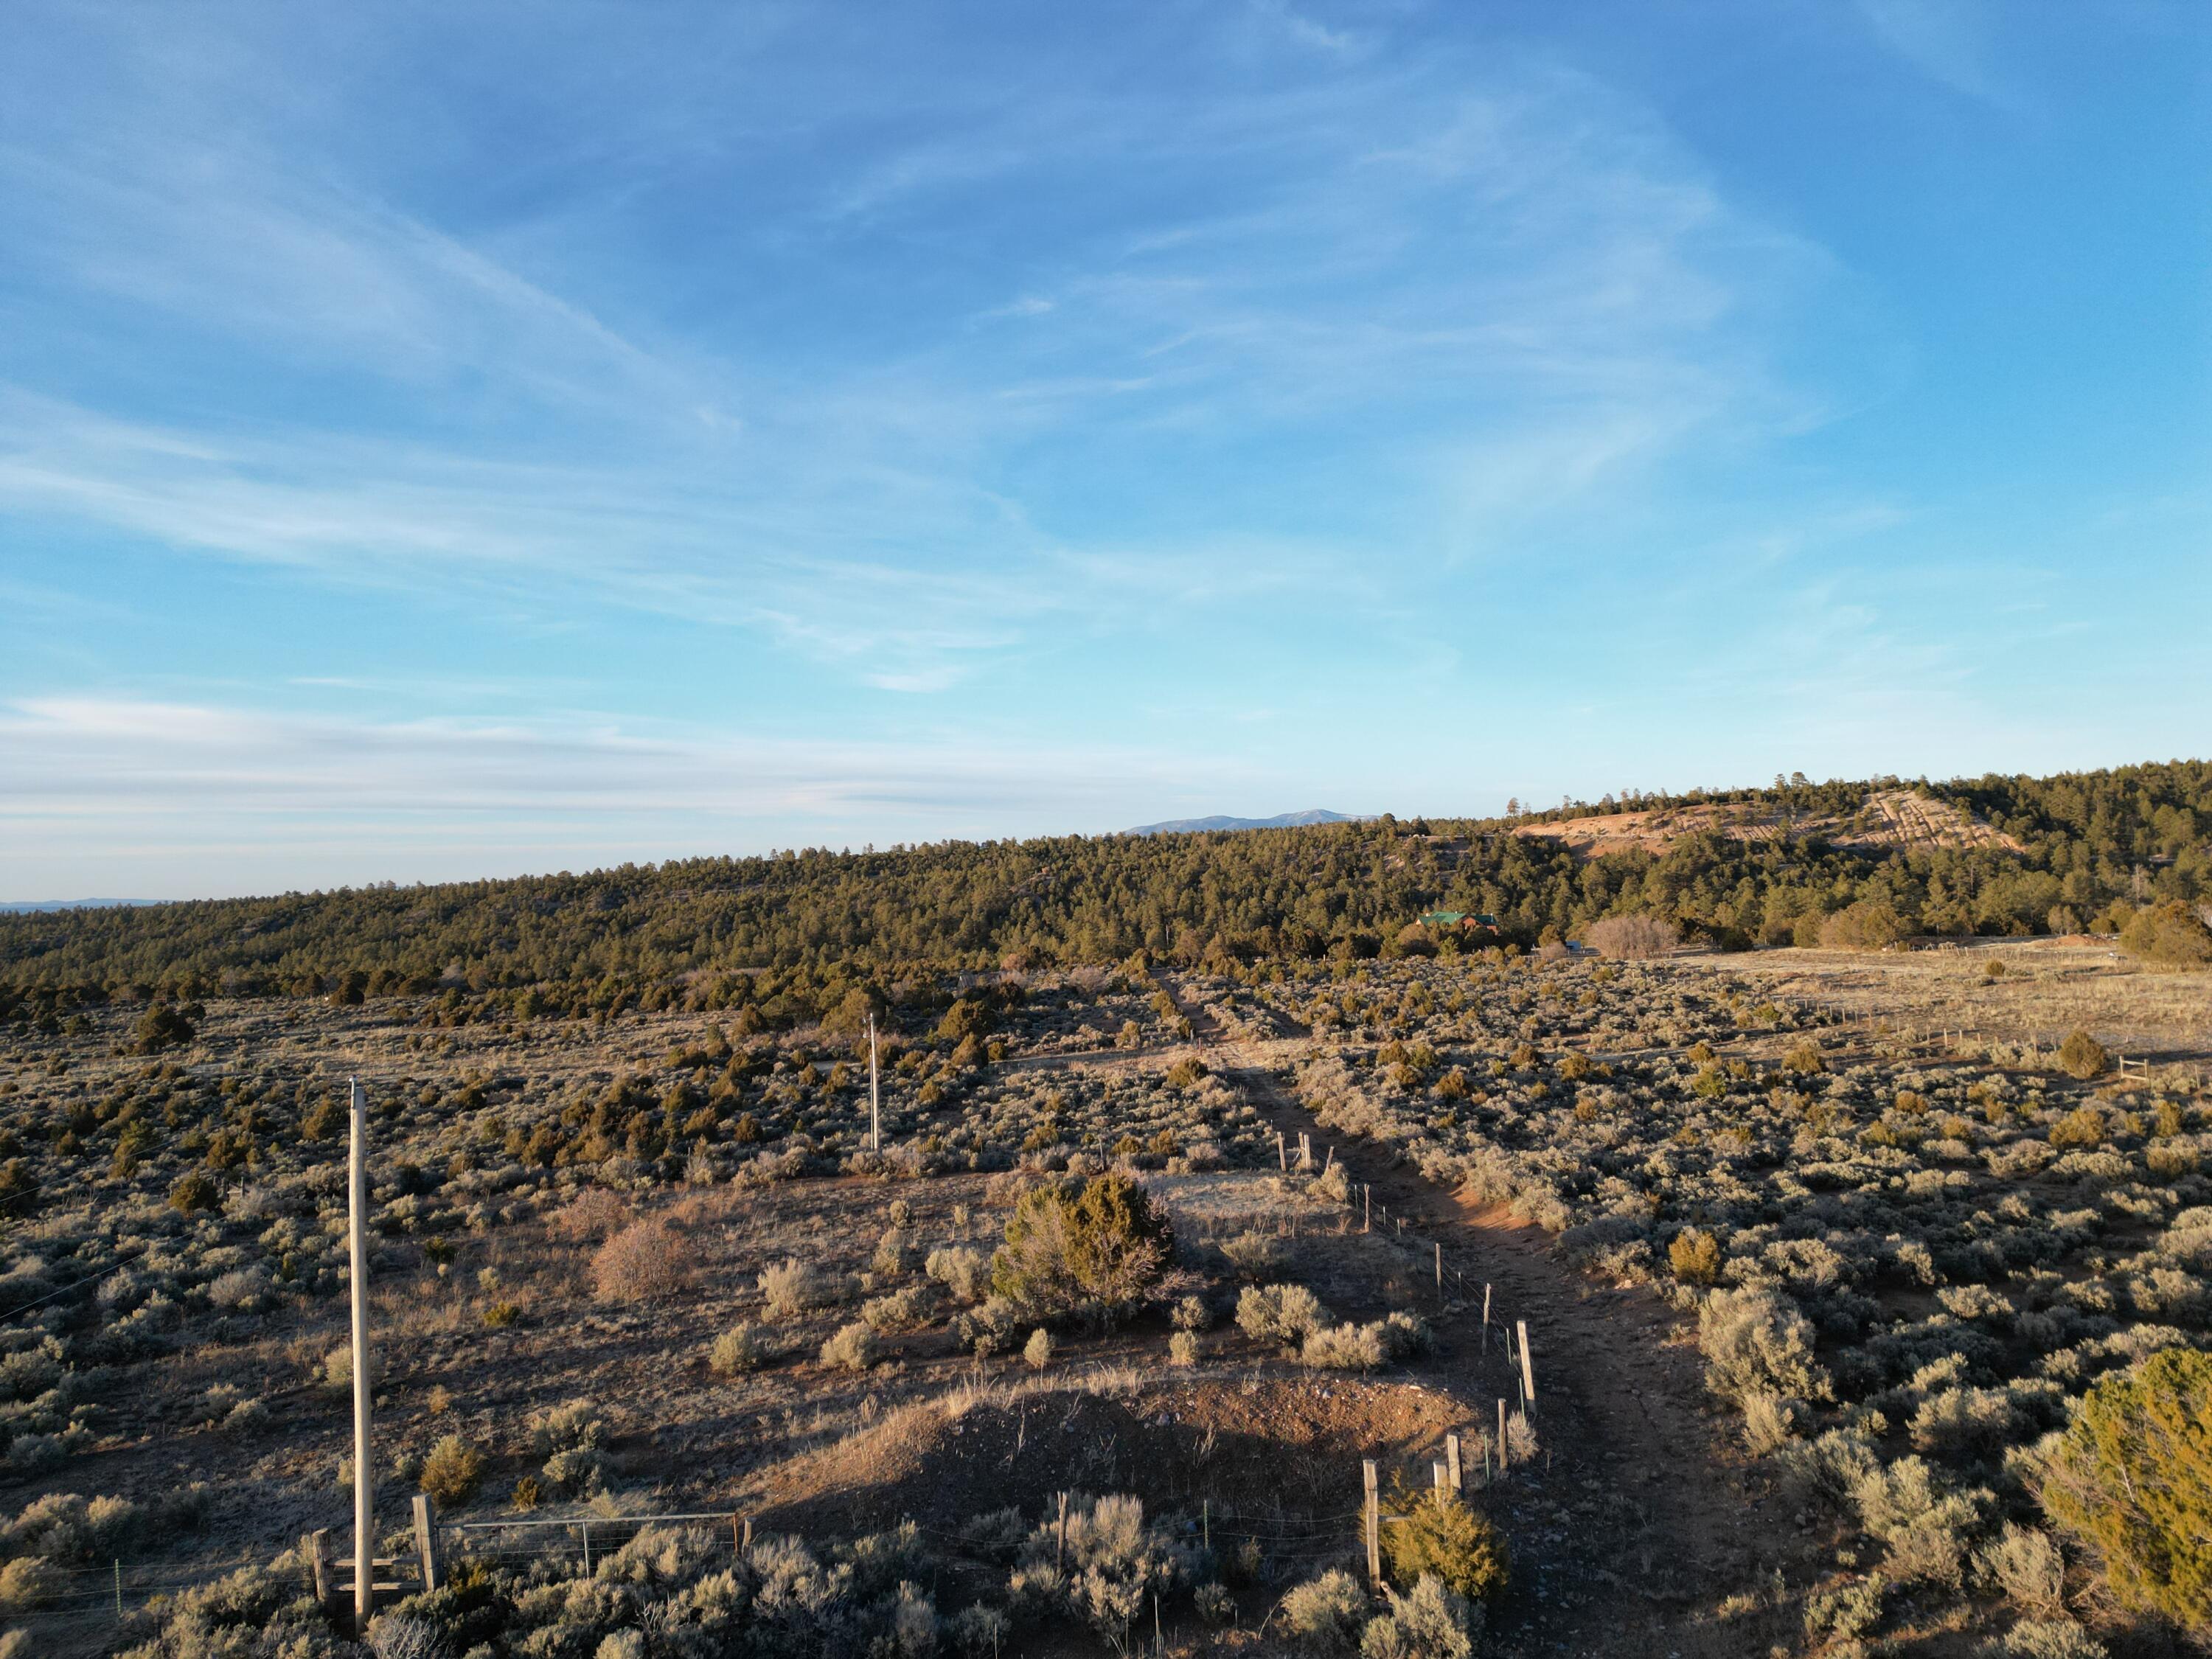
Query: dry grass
(2048, 988)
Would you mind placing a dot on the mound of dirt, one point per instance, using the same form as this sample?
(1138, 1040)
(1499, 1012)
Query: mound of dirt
(1285, 1446)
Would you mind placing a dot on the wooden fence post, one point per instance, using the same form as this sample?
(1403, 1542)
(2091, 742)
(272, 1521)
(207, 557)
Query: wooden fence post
(1367, 1208)
(316, 1547)
(1485, 1321)
(1505, 1454)
(426, 1542)
(1059, 1561)
(1528, 1376)
(1372, 1513)
(1451, 1461)
(1282, 1152)
(1440, 1274)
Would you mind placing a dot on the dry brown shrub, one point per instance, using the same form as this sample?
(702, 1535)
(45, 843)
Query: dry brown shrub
(1631, 936)
(593, 1213)
(644, 1261)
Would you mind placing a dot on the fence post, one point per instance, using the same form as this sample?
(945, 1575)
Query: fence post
(426, 1542)
(1528, 1376)
(1440, 1275)
(1371, 1510)
(1439, 1476)
(1485, 1321)
(316, 1545)
(1367, 1208)
(1505, 1454)
(119, 1588)
(1451, 1461)
(1059, 1561)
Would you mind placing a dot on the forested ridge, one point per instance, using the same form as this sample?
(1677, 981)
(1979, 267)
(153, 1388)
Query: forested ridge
(2094, 846)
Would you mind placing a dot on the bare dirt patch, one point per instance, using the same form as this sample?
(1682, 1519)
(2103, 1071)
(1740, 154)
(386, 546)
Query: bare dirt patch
(1893, 818)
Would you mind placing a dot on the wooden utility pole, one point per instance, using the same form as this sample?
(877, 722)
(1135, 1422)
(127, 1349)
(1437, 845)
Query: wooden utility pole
(875, 1094)
(364, 1461)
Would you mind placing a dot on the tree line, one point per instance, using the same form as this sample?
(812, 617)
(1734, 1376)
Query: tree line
(2096, 848)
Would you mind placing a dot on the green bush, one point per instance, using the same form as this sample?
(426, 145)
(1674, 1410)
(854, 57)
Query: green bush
(1804, 1056)
(162, 1027)
(1872, 924)
(1440, 1537)
(452, 1471)
(2169, 935)
(2082, 1127)
(1097, 1250)
(193, 1191)
(2132, 1475)
(1695, 1256)
(2082, 1057)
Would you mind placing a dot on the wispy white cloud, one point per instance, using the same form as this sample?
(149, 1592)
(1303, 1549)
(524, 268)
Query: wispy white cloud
(1946, 40)
(87, 761)
(1308, 32)
(1523, 265)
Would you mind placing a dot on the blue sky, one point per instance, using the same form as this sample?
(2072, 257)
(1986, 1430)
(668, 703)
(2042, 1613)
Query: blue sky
(439, 440)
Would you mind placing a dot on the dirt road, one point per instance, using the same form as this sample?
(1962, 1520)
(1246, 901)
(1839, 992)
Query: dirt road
(1641, 1523)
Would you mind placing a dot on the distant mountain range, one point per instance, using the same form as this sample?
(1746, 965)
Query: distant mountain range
(18, 906)
(1280, 820)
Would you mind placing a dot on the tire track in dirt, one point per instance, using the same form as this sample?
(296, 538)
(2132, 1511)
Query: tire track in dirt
(1641, 1522)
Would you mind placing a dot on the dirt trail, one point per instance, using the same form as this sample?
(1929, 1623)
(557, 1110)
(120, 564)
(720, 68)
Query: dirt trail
(1640, 1524)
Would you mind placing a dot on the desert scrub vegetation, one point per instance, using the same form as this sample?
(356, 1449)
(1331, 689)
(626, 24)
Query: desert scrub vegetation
(1332, 1617)
(1907, 1274)
(683, 1589)
(1094, 1249)
(2131, 1475)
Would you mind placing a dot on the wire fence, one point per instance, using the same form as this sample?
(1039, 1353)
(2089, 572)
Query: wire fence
(83, 1596)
